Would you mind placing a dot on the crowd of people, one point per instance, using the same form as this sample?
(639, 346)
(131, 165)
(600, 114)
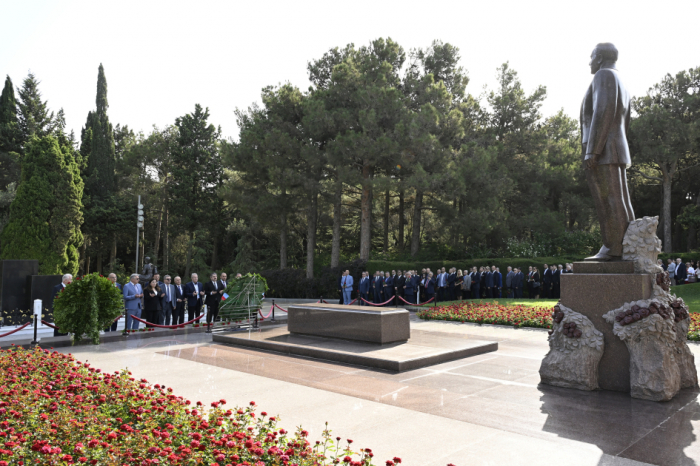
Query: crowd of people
(397, 287)
(681, 272)
(166, 302)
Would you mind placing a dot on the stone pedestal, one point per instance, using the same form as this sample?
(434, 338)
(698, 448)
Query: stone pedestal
(362, 323)
(595, 293)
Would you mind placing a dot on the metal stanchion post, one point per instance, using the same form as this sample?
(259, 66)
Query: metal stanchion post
(273, 311)
(37, 314)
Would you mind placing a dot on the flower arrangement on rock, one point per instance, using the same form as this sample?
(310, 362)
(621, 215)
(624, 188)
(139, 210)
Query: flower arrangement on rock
(58, 411)
(86, 306)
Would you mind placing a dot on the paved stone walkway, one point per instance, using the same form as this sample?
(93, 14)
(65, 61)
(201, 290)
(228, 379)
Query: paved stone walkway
(483, 410)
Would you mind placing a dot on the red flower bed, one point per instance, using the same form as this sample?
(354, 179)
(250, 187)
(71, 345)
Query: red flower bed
(517, 316)
(55, 410)
(492, 313)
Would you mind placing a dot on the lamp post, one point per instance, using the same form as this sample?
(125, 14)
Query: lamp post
(139, 225)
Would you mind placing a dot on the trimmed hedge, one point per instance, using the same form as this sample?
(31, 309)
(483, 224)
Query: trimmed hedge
(292, 283)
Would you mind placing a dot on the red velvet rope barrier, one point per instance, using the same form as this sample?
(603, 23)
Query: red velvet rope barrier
(15, 330)
(167, 326)
(268, 314)
(380, 304)
(283, 310)
(353, 301)
(420, 304)
(322, 301)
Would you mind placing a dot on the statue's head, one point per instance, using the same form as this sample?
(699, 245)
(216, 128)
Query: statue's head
(148, 260)
(604, 53)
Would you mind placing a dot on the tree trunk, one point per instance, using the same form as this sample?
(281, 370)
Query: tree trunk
(99, 262)
(166, 244)
(401, 220)
(337, 220)
(387, 199)
(693, 232)
(113, 253)
(415, 237)
(156, 247)
(311, 234)
(366, 212)
(283, 241)
(215, 252)
(190, 242)
(83, 255)
(87, 265)
(668, 234)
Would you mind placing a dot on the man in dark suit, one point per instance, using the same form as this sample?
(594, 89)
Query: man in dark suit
(681, 272)
(518, 279)
(66, 280)
(195, 297)
(546, 282)
(556, 274)
(451, 279)
(113, 278)
(399, 283)
(488, 282)
(388, 289)
(213, 290)
(429, 285)
(378, 286)
(180, 301)
(168, 302)
(605, 121)
(410, 289)
(364, 289)
(476, 283)
(497, 281)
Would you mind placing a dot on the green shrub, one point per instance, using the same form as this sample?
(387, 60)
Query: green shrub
(86, 306)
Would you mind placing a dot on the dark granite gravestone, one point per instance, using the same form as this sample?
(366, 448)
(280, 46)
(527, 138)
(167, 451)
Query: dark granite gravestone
(14, 286)
(41, 287)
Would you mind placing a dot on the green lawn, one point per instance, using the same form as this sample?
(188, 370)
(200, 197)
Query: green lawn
(690, 294)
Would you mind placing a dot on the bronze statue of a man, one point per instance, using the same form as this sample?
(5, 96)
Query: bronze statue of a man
(605, 118)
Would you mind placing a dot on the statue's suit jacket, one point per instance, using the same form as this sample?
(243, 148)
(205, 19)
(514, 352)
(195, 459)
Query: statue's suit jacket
(605, 118)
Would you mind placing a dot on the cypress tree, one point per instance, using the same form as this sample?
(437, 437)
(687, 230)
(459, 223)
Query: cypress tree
(99, 182)
(10, 137)
(34, 116)
(45, 216)
(104, 213)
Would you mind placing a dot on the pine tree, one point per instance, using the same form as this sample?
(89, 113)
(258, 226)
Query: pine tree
(45, 216)
(34, 116)
(197, 173)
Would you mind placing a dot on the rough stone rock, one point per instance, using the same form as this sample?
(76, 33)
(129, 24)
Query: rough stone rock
(572, 361)
(685, 359)
(660, 361)
(642, 246)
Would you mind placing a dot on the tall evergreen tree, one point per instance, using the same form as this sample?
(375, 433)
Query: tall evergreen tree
(45, 216)
(10, 149)
(102, 209)
(197, 174)
(10, 137)
(35, 119)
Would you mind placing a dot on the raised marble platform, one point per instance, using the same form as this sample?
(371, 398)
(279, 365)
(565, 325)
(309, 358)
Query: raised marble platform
(421, 350)
(363, 323)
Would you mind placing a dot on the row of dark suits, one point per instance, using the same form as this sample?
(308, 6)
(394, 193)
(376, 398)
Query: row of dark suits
(384, 289)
